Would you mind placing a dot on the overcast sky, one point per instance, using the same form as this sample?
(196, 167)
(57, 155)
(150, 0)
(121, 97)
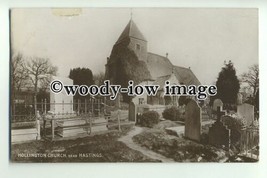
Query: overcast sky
(198, 38)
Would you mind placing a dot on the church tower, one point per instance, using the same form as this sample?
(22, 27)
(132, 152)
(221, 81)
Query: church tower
(130, 40)
(134, 40)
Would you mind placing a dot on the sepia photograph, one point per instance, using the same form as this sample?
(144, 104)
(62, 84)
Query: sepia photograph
(89, 85)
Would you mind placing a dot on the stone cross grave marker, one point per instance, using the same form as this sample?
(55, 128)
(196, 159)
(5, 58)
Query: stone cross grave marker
(193, 118)
(246, 111)
(219, 135)
(217, 103)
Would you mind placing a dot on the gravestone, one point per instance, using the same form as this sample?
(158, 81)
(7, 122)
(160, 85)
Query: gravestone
(193, 118)
(219, 134)
(98, 125)
(216, 103)
(61, 103)
(22, 135)
(246, 111)
(132, 112)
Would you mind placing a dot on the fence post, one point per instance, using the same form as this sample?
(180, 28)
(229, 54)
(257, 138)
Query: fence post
(90, 123)
(45, 106)
(42, 105)
(92, 101)
(98, 105)
(38, 117)
(119, 121)
(14, 109)
(78, 106)
(104, 107)
(71, 106)
(54, 106)
(53, 126)
(85, 106)
(62, 106)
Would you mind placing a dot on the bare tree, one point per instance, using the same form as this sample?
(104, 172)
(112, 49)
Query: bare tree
(252, 78)
(19, 75)
(39, 70)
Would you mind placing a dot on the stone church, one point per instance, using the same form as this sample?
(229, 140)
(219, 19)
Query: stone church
(132, 44)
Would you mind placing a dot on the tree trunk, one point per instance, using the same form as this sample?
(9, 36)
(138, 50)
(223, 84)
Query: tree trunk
(35, 104)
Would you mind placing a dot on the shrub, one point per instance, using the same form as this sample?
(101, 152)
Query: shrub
(183, 100)
(235, 125)
(173, 114)
(149, 119)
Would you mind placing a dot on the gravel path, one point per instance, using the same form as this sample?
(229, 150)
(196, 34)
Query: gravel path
(127, 139)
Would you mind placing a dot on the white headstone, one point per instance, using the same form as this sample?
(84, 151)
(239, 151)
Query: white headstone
(216, 103)
(61, 103)
(246, 111)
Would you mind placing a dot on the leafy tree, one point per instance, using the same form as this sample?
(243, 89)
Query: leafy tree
(252, 78)
(227, 84)
(81, 76)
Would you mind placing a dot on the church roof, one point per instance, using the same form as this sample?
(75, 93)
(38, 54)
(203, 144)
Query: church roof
(131, 30)
(186, 76)
(158, 65)
(161, 68)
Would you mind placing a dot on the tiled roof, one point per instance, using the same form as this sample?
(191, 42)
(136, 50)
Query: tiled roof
(131, 30)
(158, 65)
(186, 76)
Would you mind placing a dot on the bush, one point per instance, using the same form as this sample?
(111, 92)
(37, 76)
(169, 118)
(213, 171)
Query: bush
(235, 125)
(149, 119)
(173, 114)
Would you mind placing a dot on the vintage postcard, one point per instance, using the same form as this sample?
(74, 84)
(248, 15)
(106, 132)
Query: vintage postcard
(134, 85)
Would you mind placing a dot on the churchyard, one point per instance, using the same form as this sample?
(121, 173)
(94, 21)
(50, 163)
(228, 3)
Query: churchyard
(62, 128)
(93, 131)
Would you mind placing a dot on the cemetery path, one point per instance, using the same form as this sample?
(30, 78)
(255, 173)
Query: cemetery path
(127, 139)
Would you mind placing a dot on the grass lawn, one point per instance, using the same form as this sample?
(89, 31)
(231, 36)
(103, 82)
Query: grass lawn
(97, 148)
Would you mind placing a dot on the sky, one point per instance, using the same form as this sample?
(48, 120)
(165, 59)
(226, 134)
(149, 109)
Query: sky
(199, 38)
